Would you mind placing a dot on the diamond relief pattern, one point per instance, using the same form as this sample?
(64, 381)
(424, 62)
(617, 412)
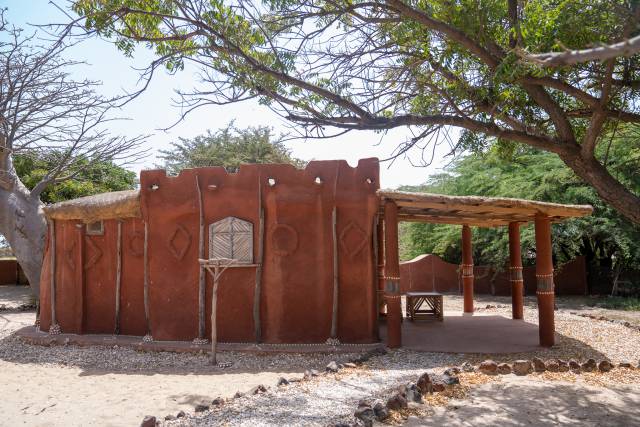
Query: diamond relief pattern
(94, 251)
(352, 239)
(179, 241)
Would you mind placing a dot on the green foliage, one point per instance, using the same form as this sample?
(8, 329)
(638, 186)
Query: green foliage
(421, 63)
(511, 170)
(617, 303)
(93, 178)
(228, 147)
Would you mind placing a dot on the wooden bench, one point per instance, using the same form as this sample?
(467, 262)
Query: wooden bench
(424, 305)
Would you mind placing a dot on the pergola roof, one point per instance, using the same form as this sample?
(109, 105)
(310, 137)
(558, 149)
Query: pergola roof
(475, 210)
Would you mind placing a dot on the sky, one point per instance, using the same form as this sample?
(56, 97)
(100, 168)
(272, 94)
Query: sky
(154, 110)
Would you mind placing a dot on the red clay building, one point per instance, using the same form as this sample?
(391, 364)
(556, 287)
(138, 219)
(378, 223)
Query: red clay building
(127, 262)
(311, 258)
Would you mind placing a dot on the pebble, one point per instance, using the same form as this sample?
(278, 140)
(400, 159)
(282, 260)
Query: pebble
(522, 367)
(148, 421)
(488, 367)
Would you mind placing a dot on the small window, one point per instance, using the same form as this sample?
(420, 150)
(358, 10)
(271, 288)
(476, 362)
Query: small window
(231, 238)
(95, 228)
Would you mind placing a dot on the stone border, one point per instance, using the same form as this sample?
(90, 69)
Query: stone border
(369, 412)
(607, 319)
(32, 335)
(526, 367)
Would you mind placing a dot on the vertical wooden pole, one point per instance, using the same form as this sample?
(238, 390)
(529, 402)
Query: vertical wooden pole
(374, 265)
(214, 310)
(201, 272)
(118, 276)
(257, 295)
(392, 275)
(380, 265)
(334, 310)
(515, 271)
(467, 269)
(53, 328)
(146, 277)
(544, 280)
(80, 279)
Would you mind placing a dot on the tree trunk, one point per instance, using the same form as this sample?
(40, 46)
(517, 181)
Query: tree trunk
(23, 224)
(607, 187)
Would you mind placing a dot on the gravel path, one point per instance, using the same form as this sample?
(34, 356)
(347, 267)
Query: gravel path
(326, 399)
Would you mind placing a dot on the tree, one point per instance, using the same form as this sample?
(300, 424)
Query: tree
(44, 111)
(228, 147)
(606, 239)
(93, 178)
(425, 64)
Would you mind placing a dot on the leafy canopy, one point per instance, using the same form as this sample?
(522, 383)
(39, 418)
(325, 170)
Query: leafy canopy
(425, 64)
(93, 177)
(510, 170)
(228, 147)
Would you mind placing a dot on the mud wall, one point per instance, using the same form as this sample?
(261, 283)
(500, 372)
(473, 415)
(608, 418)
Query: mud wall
(430, 273)
(11, 273)
(296, 298)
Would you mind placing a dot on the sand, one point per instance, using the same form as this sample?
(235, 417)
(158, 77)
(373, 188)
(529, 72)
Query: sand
(57, 396)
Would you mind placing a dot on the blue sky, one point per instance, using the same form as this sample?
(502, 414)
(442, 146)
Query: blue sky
(153, 110)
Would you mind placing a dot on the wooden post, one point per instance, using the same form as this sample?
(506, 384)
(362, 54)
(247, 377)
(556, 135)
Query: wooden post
(515, 271)
(257, 294)
(146, 277)
(467, 269)
(54, 328)
(374, 265)
(214, 310)
(392, 275)
(118, 276)
(201, 272)
(380, 265)
(80, 279)
(544, 280)
(334, 310)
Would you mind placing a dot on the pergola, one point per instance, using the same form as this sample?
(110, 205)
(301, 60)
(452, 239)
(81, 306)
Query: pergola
(470, 211)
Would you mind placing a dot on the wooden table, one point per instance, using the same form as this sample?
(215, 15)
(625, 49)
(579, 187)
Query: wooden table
(424, 305)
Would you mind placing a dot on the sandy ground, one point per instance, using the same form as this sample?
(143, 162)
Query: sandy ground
(73, 386)
(53, 395)
(529, 401)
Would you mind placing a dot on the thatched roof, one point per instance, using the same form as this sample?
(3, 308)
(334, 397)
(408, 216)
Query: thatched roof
(117, 204)
(475, 210)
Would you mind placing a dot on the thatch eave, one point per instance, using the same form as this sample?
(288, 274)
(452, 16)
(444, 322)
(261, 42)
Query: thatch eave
(113, 205)
(476, 210)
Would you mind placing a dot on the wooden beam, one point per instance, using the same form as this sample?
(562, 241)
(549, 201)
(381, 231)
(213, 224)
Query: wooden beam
(257, 294)
(201, 272)
(334, 309)
(118, 276)
(497, 205)
(453, 220)
(146, 277)
(454, 214)
(52, 256)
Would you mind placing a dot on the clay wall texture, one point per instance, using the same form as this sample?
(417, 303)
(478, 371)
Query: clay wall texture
(297, 278)
(11, 273)
(418, 275)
